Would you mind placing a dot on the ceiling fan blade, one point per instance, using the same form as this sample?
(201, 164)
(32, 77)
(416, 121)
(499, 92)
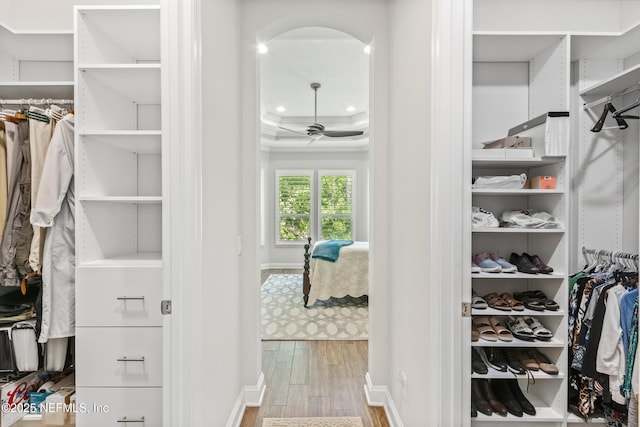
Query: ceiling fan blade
(314, 138)
(341, 133)
(291, 130)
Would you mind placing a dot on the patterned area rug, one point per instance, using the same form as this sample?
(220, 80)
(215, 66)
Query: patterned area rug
(313, 422)
(285, 318)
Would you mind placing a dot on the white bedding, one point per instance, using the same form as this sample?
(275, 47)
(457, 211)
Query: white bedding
(349, 275)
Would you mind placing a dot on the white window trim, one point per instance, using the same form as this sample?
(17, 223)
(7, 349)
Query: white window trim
(293, 172)
(318, 219)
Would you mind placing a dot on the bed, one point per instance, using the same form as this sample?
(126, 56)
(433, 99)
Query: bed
(348, 275)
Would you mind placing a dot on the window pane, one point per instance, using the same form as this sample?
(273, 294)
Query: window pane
(294, 228)
(295, 194)
(336, 228)
(294, 207)
(336, 192)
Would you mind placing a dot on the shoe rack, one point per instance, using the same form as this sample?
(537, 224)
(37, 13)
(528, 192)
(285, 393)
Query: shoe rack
(538, 74)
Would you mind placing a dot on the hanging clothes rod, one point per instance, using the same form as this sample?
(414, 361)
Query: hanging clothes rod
(612, 96)
(32, 101)
(608, 254)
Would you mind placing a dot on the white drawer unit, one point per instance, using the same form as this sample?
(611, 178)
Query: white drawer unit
(119, 296)
(98, 407)
(119, 357)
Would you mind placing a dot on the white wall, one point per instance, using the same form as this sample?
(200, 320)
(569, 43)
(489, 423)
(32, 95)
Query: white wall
(548, 15)
(273, 256)
(409, 213)
(223, 372)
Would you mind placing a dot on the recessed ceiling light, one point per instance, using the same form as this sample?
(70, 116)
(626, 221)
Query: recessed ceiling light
(280, 109)
(351, 108)
(262, 48)
(367, 49)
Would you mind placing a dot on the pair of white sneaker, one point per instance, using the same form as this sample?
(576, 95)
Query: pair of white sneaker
(491, 263)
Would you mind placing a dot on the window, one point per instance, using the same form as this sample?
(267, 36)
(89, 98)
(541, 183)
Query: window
(294, 198)
(336, 205)
(300, 213)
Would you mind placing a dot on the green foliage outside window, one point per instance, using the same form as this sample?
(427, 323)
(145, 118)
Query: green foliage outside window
(295, 207)
(335, 205)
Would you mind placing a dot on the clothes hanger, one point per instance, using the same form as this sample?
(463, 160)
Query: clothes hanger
(37, 113)
(619, 113)
(609, 108)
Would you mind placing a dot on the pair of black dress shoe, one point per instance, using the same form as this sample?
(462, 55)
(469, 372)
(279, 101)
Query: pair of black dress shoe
(531, 264)
(499, 396)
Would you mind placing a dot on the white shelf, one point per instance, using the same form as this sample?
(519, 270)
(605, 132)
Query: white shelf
(526, 312)
(118, 35)
(137, 142)
(138, 259)
(574, 419)
(617, 83)
(544, 414)
(139, 84)
(148, 66)
(553, 343)
(24, 89)
(499, 276)
(513, 192)
(498, 375)
(506, 230)
(513, 46)
(121, 133)
(516, 163)
(140, 200)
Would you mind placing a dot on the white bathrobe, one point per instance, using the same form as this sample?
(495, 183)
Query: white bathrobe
(54, 209)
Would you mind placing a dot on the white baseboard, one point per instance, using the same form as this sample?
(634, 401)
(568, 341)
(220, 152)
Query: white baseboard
(249, 396)
(380, 396)
(282, 266)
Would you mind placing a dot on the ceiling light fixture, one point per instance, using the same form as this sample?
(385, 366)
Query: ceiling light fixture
(280, 109)
(262, 48)
(351, 108)
(367, 49)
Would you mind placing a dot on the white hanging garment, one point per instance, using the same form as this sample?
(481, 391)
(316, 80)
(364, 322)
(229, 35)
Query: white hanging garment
(54, 208)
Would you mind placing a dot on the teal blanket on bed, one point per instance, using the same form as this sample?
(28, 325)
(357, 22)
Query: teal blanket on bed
(330, 249)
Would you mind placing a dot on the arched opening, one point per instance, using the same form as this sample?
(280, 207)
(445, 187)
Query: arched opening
(307, 76)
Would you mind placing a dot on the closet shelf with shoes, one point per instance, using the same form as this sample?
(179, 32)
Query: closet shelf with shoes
(526, 312)
(520, 230)
(527, 227)
(514, 192)
(552, 276)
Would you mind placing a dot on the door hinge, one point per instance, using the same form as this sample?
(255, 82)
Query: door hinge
(165, 306)
(466, 309)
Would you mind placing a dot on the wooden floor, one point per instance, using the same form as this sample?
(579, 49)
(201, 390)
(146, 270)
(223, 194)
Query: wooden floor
(314, 379)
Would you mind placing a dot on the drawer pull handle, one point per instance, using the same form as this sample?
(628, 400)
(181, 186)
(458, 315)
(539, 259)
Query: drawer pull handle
(125, 420)
(128, 359)
(125, 298)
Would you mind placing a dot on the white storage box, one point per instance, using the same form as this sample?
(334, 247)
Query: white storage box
(549, 133)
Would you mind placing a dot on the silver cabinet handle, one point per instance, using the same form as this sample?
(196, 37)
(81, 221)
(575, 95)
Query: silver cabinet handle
(128, 359)
(125, 420)
(125, 298)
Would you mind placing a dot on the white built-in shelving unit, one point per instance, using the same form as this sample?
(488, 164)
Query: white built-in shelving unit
(119, 213)
(519, 75)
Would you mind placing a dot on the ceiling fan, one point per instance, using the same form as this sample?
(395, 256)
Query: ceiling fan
(316, 130)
